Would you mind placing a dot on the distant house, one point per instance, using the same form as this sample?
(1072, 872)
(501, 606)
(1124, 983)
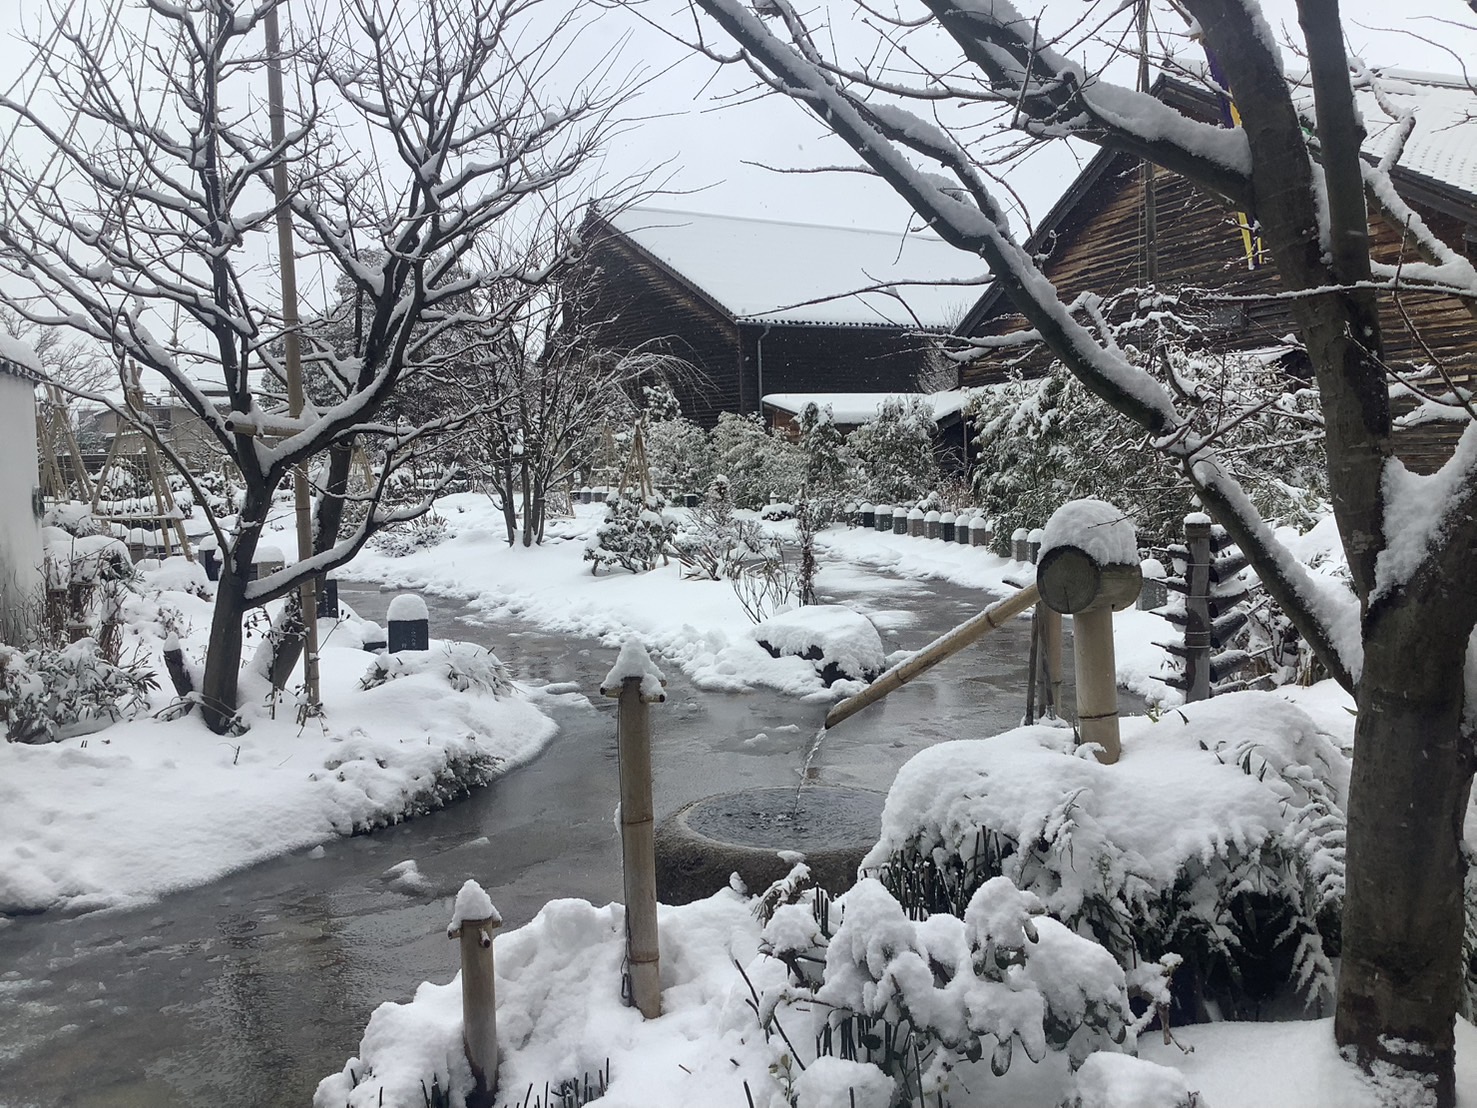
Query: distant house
(1095, 240)
(849, 410)
(760, 306)
(20, 488)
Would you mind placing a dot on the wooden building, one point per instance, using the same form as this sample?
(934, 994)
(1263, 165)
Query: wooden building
(1096, 239)
(761, 306)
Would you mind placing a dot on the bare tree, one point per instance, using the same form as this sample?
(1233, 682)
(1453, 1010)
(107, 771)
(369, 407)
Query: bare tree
(553, 383)
(1400, 640)
(420, 130)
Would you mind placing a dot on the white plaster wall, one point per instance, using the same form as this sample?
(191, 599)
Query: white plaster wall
(20, 530)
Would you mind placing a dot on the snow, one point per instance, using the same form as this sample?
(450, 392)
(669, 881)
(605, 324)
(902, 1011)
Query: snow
(1101, 531)
(1119, 1081)
(407, 607)
(836, 1083)
(17, 355)
(829, 635)
(474, 905)
(732, 260)
(634, 661)
(125, 815)
(862, 407)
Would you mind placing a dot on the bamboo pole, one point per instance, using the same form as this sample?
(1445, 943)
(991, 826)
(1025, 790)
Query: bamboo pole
(945, 646)
(479, 1000)
(302, 496)
(1097, 681)
(1051, 658)
(638, 845)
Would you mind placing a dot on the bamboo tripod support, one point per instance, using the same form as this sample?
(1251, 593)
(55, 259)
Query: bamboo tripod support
(166, 516)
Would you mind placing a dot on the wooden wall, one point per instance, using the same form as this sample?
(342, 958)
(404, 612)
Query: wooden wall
(1100, 248)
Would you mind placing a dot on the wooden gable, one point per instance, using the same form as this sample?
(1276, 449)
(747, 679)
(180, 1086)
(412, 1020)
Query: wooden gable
(1095, 241)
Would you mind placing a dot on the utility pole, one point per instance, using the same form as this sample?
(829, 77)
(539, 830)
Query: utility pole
(293, 356)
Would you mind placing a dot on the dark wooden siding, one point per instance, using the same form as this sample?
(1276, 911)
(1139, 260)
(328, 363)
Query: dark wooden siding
(638, 305)
(1099, 247)
(832, 359)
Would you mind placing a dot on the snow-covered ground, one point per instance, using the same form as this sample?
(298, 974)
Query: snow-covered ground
(147, 806)
(561, 1016)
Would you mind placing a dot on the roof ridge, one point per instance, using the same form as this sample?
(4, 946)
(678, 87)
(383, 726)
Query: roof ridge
(909, 232)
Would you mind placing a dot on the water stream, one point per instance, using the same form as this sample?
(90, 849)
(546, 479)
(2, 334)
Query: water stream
(247, 991)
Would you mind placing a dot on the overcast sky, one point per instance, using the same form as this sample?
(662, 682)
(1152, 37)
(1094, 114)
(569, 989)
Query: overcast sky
(706, 140)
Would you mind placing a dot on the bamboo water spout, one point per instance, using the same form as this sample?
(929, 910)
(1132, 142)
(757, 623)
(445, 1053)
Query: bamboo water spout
(945, 646)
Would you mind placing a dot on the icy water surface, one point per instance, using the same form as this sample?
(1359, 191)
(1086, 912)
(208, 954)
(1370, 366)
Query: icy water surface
(246, 992)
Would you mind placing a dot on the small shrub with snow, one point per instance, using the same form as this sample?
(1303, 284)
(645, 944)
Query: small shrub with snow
(465, 666)
(1218, 840)
(839, 642)
(714, 544)
(422, 533)
(757, 464)
(895, 452)
(915, 999)
(634, 535)
(47, 691)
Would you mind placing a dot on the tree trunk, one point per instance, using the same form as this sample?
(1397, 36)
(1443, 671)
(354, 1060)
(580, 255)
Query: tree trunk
(223, 660)
(1400, 977)
(526, 479)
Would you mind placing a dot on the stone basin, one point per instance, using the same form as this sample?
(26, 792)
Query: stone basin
(700, 845)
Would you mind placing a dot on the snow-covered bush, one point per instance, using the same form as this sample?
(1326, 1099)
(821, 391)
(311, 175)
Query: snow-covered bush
(422, 533)
(714, 543)
(634, 534)
(46, 691)
(465, 666)
(1217, 839)
(756, 463)
(1046, 441)
(894, 451)
(828, 462)
(919, 997)
(839, 642)
(680, 454)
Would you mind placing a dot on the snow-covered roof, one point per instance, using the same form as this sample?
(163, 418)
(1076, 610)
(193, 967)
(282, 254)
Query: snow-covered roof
(768, 271)
(19, 360)
(860, 407)
(1443, 144)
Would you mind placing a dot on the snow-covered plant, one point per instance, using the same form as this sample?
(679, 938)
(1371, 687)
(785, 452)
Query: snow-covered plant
(756, 463)
(405, 538)
(465, 666)
(46, 690)
(766, 583)
(634, 534)
(894, 451)
(921, 997)
(680, 454)
(1043, 442)
(1249, 899)
(715, 543)
(827, 460)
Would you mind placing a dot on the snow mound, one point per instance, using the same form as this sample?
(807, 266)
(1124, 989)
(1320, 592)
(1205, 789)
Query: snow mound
(405, 607)
(1100, 530)
(1120, 1081)
(836, 1083)
(840, 642)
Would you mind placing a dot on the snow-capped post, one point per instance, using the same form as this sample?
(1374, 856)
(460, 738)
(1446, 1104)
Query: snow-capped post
(869, 517)
(932, 525)
(209, 550)
(1019, 549)
(1197, 607)
(473, 920)
(637, 683)
(882, 517)
(374, 637)
(946, 526)
(410, 623)
(1033, 544)
(1155, 593)
(900, 520)
(961, 528)
(1089, 569)
(916, 521)
(979, 531)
